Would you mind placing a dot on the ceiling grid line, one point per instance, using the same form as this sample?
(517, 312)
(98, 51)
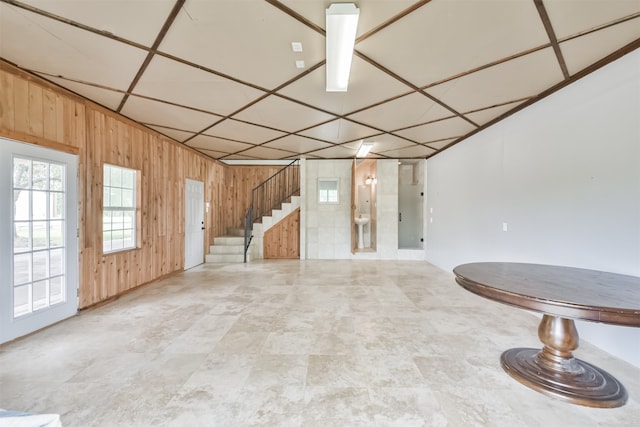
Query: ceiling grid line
(221, 75)
(542, 11)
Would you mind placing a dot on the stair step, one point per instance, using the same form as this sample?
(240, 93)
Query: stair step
(238, 232)
(226, 258)
(228, 240)
(226, 249)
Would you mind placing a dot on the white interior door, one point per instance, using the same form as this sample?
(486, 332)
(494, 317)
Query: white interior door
(38, 238)
(194, 224)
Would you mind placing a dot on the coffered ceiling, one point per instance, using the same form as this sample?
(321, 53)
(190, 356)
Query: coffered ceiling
(220, 75)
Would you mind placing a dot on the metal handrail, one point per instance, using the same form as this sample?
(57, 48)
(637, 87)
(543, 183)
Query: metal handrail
(268, 195)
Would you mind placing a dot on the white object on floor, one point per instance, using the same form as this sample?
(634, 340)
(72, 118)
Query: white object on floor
(25, 419)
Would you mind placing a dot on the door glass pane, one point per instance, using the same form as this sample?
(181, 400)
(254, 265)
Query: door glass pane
(56, 177)
(56, 262)
(40, 265)
(39, 205)
(56, 290)
(40, 240)
(21, 300)
(22, 268)
(56, 205)
(40, 294)
(21, 237)
(40, 176)
(21, 199)
(21, 173)
(55, 234)
(38, 230)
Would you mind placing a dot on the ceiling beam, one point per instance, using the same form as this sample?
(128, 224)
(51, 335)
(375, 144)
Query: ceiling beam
(154, 48)
(546, 21)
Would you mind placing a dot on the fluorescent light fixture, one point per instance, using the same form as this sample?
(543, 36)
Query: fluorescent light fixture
(365, 147)
(341, 25)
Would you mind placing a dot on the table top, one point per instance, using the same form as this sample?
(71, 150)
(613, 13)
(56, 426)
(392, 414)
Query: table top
(561, 291)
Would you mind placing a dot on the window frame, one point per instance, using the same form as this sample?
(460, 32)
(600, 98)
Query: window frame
(132, 211)
(337, 191)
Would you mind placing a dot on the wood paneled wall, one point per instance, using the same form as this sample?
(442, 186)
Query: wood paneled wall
(35, 111)
(242, 180)
(283, 239)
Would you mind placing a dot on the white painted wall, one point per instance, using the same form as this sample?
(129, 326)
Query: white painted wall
(564, 174)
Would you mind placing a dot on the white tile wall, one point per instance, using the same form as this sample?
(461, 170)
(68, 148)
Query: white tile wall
(325, 229)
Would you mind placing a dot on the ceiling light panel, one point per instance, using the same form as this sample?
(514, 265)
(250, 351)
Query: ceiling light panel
(341, 27)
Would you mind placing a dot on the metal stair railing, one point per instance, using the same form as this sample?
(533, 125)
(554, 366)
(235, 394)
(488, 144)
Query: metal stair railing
(267, 196)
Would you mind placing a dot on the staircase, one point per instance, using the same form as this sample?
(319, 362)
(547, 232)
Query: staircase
(230, 248)
(271, 201)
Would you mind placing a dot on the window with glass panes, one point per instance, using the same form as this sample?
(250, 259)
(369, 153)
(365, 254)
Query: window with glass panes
(119, 209)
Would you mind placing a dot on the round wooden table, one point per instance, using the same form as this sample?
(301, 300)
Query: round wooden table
(562, 294)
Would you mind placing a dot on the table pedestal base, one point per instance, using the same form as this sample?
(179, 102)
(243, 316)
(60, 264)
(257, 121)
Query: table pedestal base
(555, 372)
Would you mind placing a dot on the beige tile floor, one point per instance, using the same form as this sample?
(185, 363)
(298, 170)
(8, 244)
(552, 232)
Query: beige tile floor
(294, 343)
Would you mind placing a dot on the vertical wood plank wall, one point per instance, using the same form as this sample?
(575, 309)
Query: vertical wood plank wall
(35, 111)
(283, 239)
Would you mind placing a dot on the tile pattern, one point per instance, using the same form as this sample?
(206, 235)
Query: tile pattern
(294, 343)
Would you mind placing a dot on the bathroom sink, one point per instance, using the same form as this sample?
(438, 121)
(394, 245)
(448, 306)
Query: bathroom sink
(361, 221)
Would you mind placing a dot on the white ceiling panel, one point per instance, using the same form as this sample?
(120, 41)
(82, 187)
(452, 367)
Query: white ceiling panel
(258, 50)
(42, 44)
(135, 20)
(372, 12)
(582, 51)
(402, 112)
(516, 79)
(575, 16)
(297, 144)
(484, 116)
(339, 131)
(363, 77)
(159, 113)
(219, 58)
(440, 144)
(266, 153)
(177, 135)
(217, 144)
(445, 38)
(279, 113)
(173, 81)
(448, 128)
(410, 152)
(105, 97)
(337, 152)
(384, 142)
(241, 131)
